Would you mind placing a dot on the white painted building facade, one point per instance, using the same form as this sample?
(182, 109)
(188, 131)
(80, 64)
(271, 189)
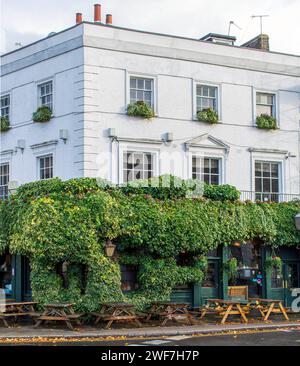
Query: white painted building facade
(91, 72)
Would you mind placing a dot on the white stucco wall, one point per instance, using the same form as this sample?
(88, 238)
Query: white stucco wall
(91, 95)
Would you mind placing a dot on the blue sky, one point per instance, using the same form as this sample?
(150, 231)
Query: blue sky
(24, 21)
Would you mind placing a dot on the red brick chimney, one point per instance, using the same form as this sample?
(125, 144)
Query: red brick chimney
(78, 18)
(109, 19)
(97, 13)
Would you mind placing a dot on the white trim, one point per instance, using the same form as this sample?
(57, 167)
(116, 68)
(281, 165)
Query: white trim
(133, 147)
(219, 97)
(276, 104)
(146, 76)
(41, 82)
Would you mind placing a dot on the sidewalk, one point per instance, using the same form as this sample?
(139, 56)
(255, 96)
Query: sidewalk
(26, 331)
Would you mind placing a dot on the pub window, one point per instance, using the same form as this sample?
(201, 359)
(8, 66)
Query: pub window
(129, 280)
(6, 273)
(276, 278)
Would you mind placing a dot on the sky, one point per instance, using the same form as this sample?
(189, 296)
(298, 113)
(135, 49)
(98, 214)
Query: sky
(25, 21)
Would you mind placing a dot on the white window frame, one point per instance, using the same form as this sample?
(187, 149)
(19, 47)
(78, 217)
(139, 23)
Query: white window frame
(206, 154)
(3, 95)
(218, 101)
(9, 171)
(134, 148)
(276, 103)
(38, 100)
(39, 165)
(220, 160)
(142, 76)
(280, 171)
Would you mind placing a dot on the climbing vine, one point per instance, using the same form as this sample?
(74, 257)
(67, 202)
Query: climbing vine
(54, 221)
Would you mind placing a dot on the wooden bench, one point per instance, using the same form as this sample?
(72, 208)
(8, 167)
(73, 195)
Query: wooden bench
(239, 293)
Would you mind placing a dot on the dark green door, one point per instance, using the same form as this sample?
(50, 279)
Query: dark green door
(183, 293)
(291, 280)
(211, 284)
(26, 287)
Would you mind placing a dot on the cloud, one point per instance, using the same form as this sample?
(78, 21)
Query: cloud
(32, 19)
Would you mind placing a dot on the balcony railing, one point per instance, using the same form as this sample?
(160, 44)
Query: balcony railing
(268, 197)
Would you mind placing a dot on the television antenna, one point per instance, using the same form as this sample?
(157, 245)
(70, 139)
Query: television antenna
(261, 20)
(232, 23)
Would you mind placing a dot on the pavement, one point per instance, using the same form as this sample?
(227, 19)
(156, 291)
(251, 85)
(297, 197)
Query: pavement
(28, 332)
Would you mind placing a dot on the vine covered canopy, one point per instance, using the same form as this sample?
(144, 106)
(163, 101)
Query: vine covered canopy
(55, 221)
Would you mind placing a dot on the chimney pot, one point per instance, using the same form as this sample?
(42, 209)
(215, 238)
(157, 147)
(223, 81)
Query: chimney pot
(108, 19)
(97, 13)
(260, 42)
(78, 18)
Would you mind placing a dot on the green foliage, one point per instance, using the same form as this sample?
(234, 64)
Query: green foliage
(266, 122)
(53, 221)
(223, 192)
(208, 115)
(4, 124)
(43, 114)
(274, 262)
(231, 268)
(140, 109)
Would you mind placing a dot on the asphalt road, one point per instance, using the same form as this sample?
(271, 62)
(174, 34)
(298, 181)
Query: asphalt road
(271, 338)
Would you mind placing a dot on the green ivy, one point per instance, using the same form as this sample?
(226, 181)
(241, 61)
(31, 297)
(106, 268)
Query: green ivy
(154, 226)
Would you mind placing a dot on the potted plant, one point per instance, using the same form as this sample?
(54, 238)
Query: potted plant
(208, 115)
(274, 262)
(140, 109)
(4, 125)
(42, 114)
(231, 268)
(264, 121)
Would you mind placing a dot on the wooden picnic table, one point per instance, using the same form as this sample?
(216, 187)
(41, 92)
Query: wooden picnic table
(59, 312)
(224, 308)
(170, 311)
(266, 307)
(117, 311)
(16, 310)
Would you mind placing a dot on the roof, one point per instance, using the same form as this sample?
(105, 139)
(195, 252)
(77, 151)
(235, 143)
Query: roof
(217, 35)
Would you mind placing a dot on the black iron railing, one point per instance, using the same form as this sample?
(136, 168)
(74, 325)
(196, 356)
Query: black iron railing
(268, 197)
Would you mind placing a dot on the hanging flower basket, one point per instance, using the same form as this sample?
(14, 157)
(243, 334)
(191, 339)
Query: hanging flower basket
(231, 268)
(266, 122)
(43, 114)
(274, 262)
(208, 115)
(140, 109)
(5, 125)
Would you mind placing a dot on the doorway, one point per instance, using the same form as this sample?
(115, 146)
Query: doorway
(291, 280)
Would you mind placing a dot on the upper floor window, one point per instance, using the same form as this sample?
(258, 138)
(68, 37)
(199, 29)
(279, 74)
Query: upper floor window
(45, 166)
(141, 89)
(45, 91)
(138, 165)
(265, 104)
(207, 97)
(5, 106)
(4, 179)
(267, 181)
(207, 170)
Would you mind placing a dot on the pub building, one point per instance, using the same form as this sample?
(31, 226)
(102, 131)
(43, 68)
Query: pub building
(251, 274)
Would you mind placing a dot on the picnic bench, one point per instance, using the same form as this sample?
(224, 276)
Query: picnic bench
(170, 311)
(59, 312)
(225, 308)
(17, 310)
(117, 311)
(266, 307)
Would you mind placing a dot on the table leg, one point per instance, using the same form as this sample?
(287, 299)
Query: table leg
(108, 325)
(4, 322)
(269, 311)
(281, 307)
(227, 313)
(243, 315)
(203, 313)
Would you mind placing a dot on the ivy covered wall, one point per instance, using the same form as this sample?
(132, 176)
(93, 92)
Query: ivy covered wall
(54, 221)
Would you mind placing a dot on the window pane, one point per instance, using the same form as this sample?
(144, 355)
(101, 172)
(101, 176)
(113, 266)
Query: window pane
(133, 82)
(140, 83)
